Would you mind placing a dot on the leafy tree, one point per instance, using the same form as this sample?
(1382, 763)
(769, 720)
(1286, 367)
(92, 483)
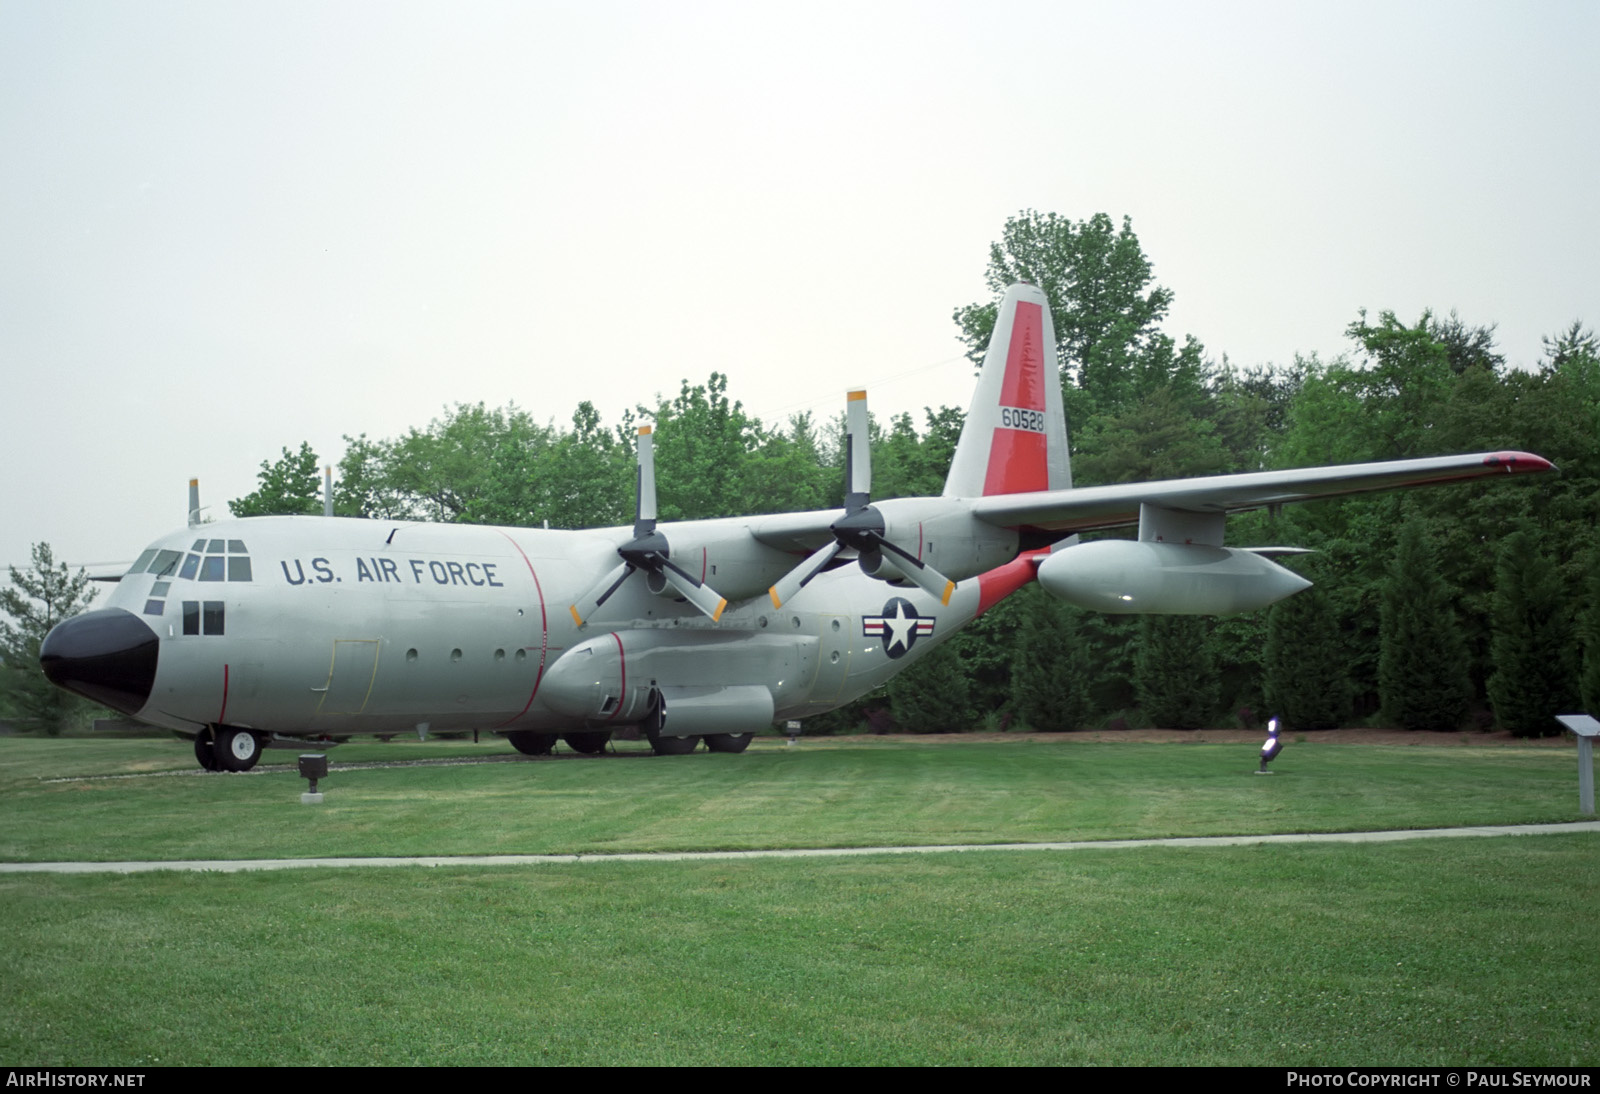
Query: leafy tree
(1405, 378)
(292, 486)
(1050, 675)
(1589, 633)
(1106, 312)
(1574, 349)
(1467, 347)
(1533, 655)
(443, 470)
(1155, 438)
(39, 598)
(932, 695)
(1422, 666)
(1174, 675)
(702, 439)
(1307, 681)
(1250, 410)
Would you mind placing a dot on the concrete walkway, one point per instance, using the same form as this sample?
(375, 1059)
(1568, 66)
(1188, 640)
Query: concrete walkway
(236, 865)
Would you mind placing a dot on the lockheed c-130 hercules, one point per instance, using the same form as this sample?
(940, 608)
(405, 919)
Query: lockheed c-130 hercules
(265, 631)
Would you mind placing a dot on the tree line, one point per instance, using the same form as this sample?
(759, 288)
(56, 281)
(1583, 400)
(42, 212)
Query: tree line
(1465, 606)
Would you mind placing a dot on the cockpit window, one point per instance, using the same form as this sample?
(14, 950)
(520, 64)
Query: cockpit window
(199, 545)
(142, 562)
(238, 567)
(211, 568)
(163, 563)
(214, 547)
(236, 547)
(190, 564)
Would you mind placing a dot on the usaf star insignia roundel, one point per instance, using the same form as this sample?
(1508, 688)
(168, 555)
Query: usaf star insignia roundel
(899, 626)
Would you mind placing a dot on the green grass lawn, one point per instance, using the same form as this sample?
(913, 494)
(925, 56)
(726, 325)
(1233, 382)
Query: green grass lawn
(839, 793)
(1432, 952)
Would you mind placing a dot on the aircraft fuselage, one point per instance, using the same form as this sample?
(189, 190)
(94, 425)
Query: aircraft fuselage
(340, 626)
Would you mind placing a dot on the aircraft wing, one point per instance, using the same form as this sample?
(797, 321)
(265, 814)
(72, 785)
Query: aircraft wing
(796, 532)
(1092, 507)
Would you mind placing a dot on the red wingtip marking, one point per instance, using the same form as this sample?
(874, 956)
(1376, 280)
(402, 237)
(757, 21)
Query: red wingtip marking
(1514, 462)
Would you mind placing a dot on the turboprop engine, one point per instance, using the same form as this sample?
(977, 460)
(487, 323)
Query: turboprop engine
(1135, 577)
(681, 682)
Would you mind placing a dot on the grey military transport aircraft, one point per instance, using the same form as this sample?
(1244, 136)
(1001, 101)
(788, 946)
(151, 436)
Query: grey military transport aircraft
(277, 631)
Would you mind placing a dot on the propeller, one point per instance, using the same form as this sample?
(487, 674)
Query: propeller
(648, 551)
(862, 527)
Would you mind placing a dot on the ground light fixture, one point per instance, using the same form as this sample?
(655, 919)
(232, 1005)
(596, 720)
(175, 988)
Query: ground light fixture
(313, 766)
(1270, 747)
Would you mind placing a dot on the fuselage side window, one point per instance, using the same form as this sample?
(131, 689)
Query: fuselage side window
(213, 617)
(191, 617)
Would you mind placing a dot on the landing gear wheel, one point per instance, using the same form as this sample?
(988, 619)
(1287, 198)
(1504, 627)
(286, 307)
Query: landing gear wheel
(237, 749)
(205, 752)
(673, 746)
(590, 744)
(728, 742)
(530, 743)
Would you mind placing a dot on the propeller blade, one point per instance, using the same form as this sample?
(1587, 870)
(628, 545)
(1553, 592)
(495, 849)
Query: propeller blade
(919, 573)
(695, 592)
(590, 602)
(858, 446)
(796, 579)
(644, 518)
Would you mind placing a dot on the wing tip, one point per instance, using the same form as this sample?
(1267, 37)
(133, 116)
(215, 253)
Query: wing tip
(1513, 462)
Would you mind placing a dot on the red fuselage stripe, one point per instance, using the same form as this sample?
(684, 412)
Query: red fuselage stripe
(1002, 581)
(544, 632)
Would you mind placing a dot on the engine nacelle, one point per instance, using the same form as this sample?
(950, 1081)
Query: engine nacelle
(703, 677)
(943, 533)
(1129, 577)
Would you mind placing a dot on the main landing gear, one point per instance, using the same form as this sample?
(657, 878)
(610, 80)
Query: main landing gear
(664, 745)
(530, 743)
(226, 748)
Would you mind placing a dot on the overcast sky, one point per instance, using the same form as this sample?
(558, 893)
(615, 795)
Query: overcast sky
(226, 228)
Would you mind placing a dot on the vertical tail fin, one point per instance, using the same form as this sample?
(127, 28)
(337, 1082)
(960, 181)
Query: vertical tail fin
(1015, 436)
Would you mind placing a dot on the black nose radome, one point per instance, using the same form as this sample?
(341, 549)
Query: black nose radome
(107, 655)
